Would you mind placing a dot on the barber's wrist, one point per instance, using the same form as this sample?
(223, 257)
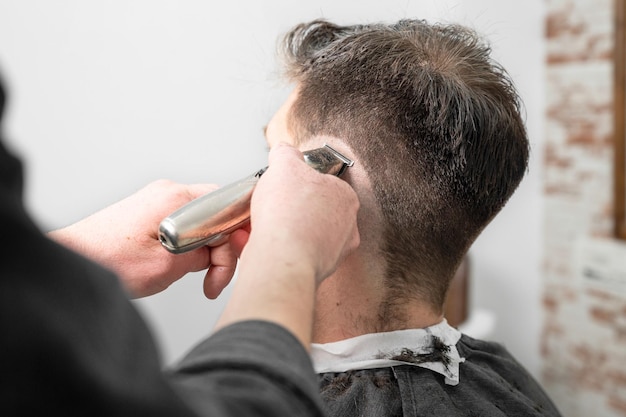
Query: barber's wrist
(68, 238)
(284, 254)
(82, 240)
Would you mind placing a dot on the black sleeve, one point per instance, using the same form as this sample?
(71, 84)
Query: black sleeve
(250, 357)
(73, 344)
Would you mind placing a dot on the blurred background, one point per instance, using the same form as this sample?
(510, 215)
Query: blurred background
(105, 97)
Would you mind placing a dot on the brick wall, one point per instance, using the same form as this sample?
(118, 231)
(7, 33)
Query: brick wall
(584, 330)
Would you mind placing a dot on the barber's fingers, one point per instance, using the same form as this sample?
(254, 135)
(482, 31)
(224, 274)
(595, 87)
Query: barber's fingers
(221, 270)
(198, 190)
(283, 150)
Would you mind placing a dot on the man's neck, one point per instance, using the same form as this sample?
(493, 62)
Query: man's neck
(352, 303)
(355, 300)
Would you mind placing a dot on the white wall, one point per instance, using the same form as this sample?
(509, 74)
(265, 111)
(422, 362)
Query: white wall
(107, 96)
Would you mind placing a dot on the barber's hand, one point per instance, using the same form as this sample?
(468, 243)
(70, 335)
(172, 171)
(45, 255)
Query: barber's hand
(124, 238)
(301, 215)
(303, 224)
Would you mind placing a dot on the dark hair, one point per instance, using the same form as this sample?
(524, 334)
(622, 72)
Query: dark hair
(434, 121)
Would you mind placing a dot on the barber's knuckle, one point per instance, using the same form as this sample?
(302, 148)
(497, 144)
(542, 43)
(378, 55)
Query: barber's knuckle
(162, 183)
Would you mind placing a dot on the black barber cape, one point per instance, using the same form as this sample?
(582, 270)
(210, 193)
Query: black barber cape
(491, 383)
(73, 344)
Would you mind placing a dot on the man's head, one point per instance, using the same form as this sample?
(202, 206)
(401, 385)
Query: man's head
(434, 122)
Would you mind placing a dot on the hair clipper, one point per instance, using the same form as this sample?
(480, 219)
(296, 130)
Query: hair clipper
(209, 219)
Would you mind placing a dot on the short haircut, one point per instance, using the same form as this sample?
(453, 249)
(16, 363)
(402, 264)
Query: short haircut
(436, 124)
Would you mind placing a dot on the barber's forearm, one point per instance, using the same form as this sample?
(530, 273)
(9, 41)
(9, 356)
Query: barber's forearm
(87, 242)
(276, 289)
(71, 240)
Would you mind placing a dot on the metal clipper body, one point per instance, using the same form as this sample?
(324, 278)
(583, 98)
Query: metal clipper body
(209, 219)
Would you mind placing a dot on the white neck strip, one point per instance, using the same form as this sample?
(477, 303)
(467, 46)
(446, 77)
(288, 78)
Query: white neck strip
(432, 348)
